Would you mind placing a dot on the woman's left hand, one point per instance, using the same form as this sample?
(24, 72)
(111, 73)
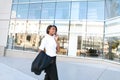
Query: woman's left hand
(56, 37)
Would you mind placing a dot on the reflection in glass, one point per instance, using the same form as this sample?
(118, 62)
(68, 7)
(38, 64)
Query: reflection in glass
(93, 40)
(22, 12)
(63, 41)
(63, 27)
(36, 0)
(79, 10)
(90, 46)
(96, 10)
(31, 42)
(77, 32)
(26, 41)
(11, 37)
(112, 39)
(48, 0)
(83, 10)
(112, 48)
(86, 38)
(95, 27)
(78, 27)
(44, 25)
(12, 26)
(10, 41)
(48, 11)
(112, 8)
(75, 10)
(62, 10)
(23, 35)
(32, 27)
(23, 0)
(77, 36)
(15, 1)
(14, 11)
(20, 26)
(19, 34)
(34, 11)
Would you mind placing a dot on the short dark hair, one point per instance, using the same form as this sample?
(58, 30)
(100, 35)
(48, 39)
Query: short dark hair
(48, 28)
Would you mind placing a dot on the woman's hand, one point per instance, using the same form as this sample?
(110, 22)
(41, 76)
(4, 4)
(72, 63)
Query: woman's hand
(58, 46)
(56, 37)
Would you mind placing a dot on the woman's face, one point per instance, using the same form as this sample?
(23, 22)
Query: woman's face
(52, 30)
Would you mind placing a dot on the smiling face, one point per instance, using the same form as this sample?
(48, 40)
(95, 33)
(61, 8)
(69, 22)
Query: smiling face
(51, 30)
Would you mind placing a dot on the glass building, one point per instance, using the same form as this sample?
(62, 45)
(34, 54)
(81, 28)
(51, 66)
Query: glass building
(85, 27)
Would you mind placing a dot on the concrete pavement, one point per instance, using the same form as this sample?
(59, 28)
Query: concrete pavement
(8, 73)
(19, 69)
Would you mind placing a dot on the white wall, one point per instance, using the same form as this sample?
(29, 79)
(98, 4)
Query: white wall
(5, 9)
(112, 27)
(72, 50)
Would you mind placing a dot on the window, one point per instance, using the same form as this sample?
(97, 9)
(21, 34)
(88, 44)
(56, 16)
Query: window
(75, 10)
(22, 11)
(15, 1)
(23, 0)
(14, 11)
(83, 10)
(63, 0)
(34, 11)
(20, 26)
(77, 27)
(79, 10)
(63, 27)
(48, 0)
(44, 25)
(48, 10)
(96, 10)
(32, 26)
(35, 0)
(62, 10)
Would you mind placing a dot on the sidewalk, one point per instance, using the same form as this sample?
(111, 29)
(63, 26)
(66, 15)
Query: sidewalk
(8, 73)
(19, 69)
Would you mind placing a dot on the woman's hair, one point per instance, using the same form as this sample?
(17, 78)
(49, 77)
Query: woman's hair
(48, 28)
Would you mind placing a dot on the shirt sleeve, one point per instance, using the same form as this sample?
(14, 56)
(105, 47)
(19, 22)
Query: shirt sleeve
(42, 45)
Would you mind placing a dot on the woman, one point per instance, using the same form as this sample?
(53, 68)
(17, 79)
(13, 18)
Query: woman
(51, 46)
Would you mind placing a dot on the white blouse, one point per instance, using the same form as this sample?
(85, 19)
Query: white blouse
(49, 44)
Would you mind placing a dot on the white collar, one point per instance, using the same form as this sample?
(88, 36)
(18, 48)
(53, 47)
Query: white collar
(50, 35)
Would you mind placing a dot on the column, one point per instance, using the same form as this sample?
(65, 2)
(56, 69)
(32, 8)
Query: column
(5, 9)
(72, 50)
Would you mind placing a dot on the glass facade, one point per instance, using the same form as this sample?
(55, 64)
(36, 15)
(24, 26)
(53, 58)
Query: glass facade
(82, 25)
(34, 11)
(112, 30)
(79, 10)
(48, 10)
(112, 8)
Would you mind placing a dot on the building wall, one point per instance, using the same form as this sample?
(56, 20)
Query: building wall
(80, 24)
(5, 9)
(112, 8)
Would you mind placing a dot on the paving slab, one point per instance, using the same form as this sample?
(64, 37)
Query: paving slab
(8, 73)
(66, 70)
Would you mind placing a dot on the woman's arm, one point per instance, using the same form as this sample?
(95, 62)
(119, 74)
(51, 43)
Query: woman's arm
(58, 45)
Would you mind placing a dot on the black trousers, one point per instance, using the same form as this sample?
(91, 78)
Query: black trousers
(51, 71)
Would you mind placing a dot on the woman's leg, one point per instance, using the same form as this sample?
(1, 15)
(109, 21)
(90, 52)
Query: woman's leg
(51, 71)
(46, 77)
